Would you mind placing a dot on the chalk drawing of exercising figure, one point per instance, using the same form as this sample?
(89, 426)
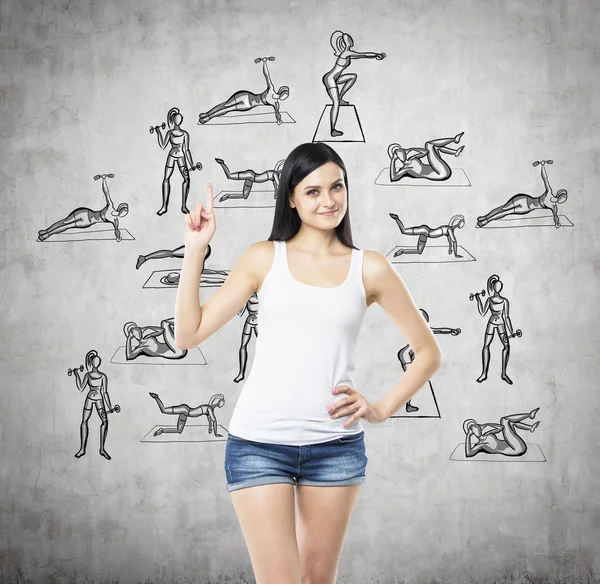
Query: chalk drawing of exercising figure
(250, 177)
(499, 320)
(84, 217)
(336, 81)
(250, 326)
(244, 100)
(522, 204)
(406, 356)
(501, 438)
(97, 397)
(152, 341)
(179, 153)
(184, 412)
(425, 232)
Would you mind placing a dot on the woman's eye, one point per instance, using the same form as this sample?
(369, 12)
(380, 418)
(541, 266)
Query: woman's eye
(338, 185)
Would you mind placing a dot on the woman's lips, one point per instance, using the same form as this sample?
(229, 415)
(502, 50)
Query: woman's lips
(330, 213)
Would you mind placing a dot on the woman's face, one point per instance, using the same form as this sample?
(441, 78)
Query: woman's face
(320, 191)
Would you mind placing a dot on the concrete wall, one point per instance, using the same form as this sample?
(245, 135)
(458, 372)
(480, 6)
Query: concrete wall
(81, 83)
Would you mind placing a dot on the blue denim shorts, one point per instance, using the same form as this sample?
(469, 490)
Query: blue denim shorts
(337, 462)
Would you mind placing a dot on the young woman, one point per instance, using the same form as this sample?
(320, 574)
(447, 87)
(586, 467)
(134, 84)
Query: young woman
(295, 430)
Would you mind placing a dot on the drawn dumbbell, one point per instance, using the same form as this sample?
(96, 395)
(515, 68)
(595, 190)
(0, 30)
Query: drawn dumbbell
(380, 56)
(70, 371)
(98, 176)
(471, 296)
(116, 409)
(154, 128)
(517, 333)
(197, 166)
(259, 59)
(542, 162)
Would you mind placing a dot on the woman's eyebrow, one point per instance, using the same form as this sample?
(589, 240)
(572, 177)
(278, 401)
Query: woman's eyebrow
(319, 186)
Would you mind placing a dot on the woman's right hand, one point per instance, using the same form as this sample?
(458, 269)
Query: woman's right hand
(200, 224)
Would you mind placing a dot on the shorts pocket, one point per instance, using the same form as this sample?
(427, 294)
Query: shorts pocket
(350, 438)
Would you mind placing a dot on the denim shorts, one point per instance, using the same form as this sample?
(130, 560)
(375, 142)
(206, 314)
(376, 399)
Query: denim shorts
(334, 463)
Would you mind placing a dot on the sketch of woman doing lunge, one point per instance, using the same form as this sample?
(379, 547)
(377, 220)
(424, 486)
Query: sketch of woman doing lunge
(408, 161)
(179, 153)
(146, 340)
(521, 204)
(250, 177)
(184, 412)
(425, 232)
(337, 83)
(499, 438)
(245, 100)
(84, 217)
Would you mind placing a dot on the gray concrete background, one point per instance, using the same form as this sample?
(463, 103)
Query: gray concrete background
(81, 82)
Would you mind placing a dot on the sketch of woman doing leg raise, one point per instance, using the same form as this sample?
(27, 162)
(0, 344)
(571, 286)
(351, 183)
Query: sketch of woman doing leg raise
(152, 341)
(522, 204)
(406, 355)
(184, 412)
(179, 153)
(499, 320)
(84, 217)
(501, 438)
(250, 178)
(245, 100)
(426, 163)
(250, 326)
(337, 83)
(425, 232)
(97, 397)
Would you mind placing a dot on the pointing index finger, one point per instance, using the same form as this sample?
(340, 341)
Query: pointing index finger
(209, 198)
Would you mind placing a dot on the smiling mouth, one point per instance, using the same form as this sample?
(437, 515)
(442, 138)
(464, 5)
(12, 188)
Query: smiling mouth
(329, 212)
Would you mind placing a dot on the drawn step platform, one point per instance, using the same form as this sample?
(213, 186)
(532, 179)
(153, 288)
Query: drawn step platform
(426, 401)
(87, 234)
(458, 178)
(431, 254)
(191, 433)
(257, 199)
(254, 118)
(527, 221)
(347, 122)
(194, 357)
(532, 454)
(165, 279)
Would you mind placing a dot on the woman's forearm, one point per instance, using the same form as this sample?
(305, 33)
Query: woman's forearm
(188, 312)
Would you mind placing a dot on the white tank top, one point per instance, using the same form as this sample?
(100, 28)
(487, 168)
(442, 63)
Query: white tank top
(304, 348)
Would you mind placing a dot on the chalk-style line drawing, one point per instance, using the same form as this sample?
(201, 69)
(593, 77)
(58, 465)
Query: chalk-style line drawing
(84, 217)
(500, 440)
(183, 411)
(97, 396)
(250, 177)
(406, 356)
(499, 320)
(523, 204)
(245, 100)
(425, 232)
(250, 325)
(180, 153)
(337, 83)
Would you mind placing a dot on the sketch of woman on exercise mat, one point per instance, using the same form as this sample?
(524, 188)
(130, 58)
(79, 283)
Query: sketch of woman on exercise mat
(180, 153)
(337, 83)
(250, 177)
(521, 204)
(245, 100)
(84, 217)
(501, 438)
(425, 232)
(408, 161)
(146, 340)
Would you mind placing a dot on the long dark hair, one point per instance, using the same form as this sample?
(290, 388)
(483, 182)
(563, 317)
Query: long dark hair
(300, 162)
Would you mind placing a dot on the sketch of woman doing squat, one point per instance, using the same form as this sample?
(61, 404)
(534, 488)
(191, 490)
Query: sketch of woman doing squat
(521, 204)
(184, 412)
(407, 161)
(83, 217)
(250, 325)
(406, 355)
(424, 232)
(250, 177)
(499, 438)
(245, 100)
(337, 83)
(146, 340)
(96, 383)
(179, 153)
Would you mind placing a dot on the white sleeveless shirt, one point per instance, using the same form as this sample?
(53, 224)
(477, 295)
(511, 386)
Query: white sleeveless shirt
(304, 348)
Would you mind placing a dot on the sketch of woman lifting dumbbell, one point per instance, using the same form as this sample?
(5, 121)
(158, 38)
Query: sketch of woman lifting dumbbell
(499, 321)
(180, 152)
(96, 383)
